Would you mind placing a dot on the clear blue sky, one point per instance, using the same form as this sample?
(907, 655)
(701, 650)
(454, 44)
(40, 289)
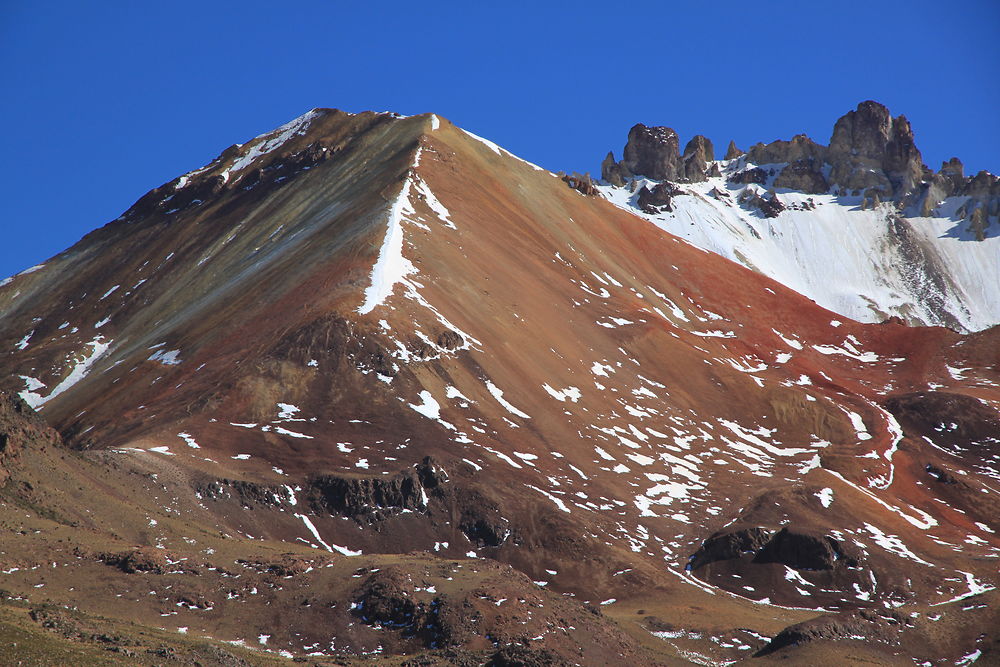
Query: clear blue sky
(104, 101)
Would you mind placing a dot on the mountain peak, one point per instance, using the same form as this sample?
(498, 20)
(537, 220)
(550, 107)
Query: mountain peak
(372, 385)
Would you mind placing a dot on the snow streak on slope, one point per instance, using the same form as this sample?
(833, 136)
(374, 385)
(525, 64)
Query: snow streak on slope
(391, 266)
(864, 264)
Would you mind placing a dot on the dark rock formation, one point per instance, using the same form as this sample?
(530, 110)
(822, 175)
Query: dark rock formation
(804, 175)
(373, 498)
(797, 549)
(800, 147)
(658, 198)
(613, 172)
(732, 152)
(870, 149)
(450, 340)
(385, 598)
(143, 559)
(729, 544)
(697, 154)
(751, 175)
(868, 625)
(653, 152)
(524, 656)
(768, 204)
(871, 154)
(805, 551)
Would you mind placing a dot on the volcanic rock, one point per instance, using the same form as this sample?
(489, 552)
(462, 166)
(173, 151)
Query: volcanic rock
(697, 154)
(750, 175)
(800, 147)
(804, 175)
(613, 172)
(658, 198)
(732, 152)
(653, 152)
(804, 551)
(869, 149)
(864, 624)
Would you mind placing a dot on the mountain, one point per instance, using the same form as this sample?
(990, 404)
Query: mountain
(369, 385)
(860, 226)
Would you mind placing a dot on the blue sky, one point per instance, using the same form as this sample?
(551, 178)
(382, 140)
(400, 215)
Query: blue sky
(105, 101)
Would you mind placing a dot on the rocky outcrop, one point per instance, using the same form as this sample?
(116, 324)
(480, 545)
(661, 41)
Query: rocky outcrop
(864, 624)
(613, 172)
(805, 551)
(373, 498)
(20, 427)
(870, 149)
(971, 423)
(805, 175)
(386, 598)
(732, 152)
(729, 544)
(751, 175)
(582, 183)
(697, 154)
(653, 152)
(767, 204)
(146, 560)
(871, 155)
(797, 549)
(658, 198)
(800, 147)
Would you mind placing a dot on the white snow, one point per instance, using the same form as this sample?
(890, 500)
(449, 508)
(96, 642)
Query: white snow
(433, 203)
(498, 395)
(168, 358)
(31, 269)
(500, 151)
(558, 503)
(874, 272)
(428, 406)
(79, 371)
(189, 439)
(569, 393)
(269, 142)
(391, 267)
(23, 343)
(287, 411)
(312, 529)
(825, 496)
(292, 434)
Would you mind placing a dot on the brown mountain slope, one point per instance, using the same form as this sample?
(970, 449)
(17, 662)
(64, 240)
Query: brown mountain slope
(623, 418)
